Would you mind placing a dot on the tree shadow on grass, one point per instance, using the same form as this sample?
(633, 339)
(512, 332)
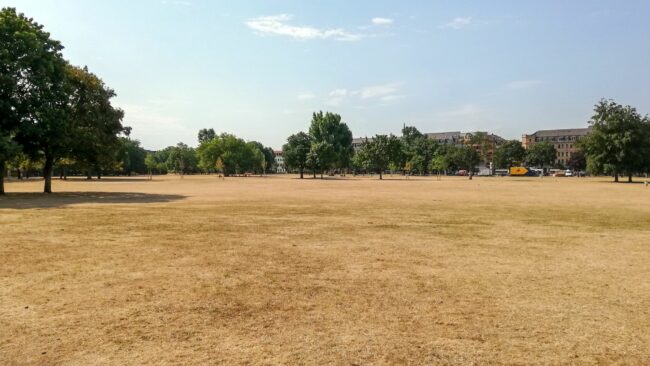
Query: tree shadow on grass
(30, 200)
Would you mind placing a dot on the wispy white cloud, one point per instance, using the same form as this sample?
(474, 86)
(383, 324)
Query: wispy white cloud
(523, 84)
(338, 93)
(277, 25)
(306, 96)
(383, 92)
(458, 23)
(382, 21)
(376, 91)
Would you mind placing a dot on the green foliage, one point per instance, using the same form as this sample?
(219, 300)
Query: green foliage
(619, 142)
(327, 129)
(418, 150)
(268, 155)
(132, 157)
(463, 157)
(33, 99)
(510, 154)
(577, 161)
(439, 163)
(296, 151)
(206, 135)
(237, 155)
(96, 123)
(482, 143)
(542, 155)
(379, 153)
(320, 156)
(182, 159)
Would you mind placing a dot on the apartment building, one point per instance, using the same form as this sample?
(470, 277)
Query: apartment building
(280, 168)
(564, 140)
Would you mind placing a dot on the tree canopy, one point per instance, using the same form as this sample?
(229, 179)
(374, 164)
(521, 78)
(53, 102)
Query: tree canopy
(296, 152)
(619, 142)
(541, 155)
(510, 154)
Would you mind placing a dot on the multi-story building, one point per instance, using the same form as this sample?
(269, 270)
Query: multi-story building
(564, 140)
(358, 142)
(280, 168)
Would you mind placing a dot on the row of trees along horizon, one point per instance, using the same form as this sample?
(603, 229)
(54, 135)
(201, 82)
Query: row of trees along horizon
(55, 116)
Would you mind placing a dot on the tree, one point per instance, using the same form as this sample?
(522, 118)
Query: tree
(577, 161)
(320, 157)
(269, 154)
(219, 165)
(381, 152)
(541, 154)
(465, 157)
(151, 163)
(619, 142)
(509, 154)
(206, 135)
(418, 149)
(296, 151)
(327, 128)
(483, 145)
(237, 155)
(182, 159)
(132, 156)
(96, 124)
(439, 164)
(31, 90)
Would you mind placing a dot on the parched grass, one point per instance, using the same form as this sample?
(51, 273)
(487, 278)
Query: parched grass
(276, 270)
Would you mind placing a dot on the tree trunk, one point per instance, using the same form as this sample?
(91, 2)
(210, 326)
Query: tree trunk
(302, 173)
(629, 178)
(380, 175)
(314, 174)
(88, 175)
(2, 177)
(616, 177)
(20, 174)
(99, 174)
(47, 173)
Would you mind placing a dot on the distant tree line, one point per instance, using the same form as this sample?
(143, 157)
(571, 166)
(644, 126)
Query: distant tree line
(618, 144)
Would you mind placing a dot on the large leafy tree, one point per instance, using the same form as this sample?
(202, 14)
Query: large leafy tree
(483, 145)
(328, 129)
(577, 161)
(206, 134)
(132, 156)
(296, 151)
(96, 123)
(31, 74)
(237, 156)
(619, 142)
(181, 159)
(380, 152)
(542, 154)
(320, 157)
(510, 154)
(267, 152)
(464, 157)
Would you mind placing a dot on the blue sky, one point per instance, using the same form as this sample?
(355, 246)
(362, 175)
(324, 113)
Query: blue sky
(258, 69)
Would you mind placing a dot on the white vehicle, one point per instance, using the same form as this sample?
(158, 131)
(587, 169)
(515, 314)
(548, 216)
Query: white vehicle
(568, 173)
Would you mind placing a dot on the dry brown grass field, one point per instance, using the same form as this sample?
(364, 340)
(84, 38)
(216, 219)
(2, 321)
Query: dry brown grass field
(276, 270)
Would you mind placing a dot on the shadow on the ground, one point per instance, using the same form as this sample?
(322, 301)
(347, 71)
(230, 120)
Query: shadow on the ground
(30, 200)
